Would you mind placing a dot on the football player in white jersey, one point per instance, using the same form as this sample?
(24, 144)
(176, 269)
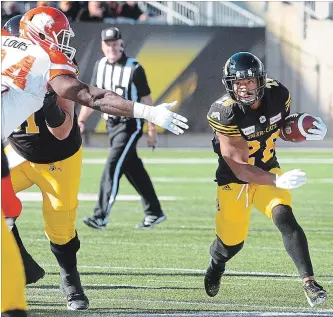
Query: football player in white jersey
(40, 60)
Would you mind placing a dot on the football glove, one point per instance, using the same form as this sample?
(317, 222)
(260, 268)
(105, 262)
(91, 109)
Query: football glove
(291, 180)
(317, 134)
(162, 116)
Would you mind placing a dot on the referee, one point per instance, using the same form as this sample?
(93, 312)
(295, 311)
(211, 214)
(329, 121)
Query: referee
(125, 76)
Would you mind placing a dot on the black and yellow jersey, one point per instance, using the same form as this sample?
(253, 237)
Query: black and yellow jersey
(260, 127)
(33, 141)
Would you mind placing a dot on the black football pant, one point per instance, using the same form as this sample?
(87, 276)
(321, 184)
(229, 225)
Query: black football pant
(123, 159)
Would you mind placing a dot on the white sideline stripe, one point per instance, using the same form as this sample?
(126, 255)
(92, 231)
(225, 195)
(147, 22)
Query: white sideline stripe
(160, 283)
(171, 302)
(193, 246)
(212, 161)
(172, 180)
(170, 269)
(211, 180)
(36, 196)
(208, 149)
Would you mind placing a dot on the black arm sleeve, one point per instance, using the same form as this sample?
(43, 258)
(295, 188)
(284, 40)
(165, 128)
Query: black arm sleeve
(140, 81)
(4, 163)
(54, 115)
(94, 75)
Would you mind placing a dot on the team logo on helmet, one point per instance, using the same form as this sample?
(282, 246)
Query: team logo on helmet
(43, 21)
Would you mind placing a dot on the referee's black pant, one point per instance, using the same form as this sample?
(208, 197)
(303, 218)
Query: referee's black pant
(123, 159)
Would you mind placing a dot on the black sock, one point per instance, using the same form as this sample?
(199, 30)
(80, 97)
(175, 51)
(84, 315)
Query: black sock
(66, 254)
(294, 239)
(222, 253)
(23, 251)
(17, 236)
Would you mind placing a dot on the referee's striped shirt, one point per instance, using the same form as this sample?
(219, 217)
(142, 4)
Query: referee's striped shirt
(126, 77)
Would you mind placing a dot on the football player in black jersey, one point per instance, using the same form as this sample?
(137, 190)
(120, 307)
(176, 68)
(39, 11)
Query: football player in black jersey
(246, 122)
(46, 150)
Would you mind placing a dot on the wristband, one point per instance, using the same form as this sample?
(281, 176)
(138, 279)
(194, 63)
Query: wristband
(141, 111)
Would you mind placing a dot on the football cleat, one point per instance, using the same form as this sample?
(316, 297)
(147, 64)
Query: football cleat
(72, 289)
(314, 293)
(150, 221)
(213, 280)
(96, 223)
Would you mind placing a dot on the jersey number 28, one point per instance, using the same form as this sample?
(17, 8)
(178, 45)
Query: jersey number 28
(268, 152)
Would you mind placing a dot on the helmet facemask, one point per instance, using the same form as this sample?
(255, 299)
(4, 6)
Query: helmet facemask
(257, 93)
(58, 41)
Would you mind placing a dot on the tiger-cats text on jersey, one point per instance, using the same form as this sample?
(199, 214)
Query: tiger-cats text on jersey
(260, 127)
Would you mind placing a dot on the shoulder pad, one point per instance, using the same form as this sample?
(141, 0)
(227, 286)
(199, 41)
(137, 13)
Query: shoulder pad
(57, 57)
(225, 101)
(279, 93)
(60, 64)
(221, 117)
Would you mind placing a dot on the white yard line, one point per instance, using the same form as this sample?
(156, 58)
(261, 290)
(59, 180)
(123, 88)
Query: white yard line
(211, 180)
(37, 196)
(170, 269)
(192, 246)
(179, 161)
(280, 149)
(192, 303)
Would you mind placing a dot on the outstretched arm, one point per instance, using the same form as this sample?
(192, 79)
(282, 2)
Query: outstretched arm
(99, 99)
(111, 103)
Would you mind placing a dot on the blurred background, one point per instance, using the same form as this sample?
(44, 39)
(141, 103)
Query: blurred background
(183, 46)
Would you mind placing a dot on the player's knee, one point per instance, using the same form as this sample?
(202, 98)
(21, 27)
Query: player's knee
(59, 225)
(70, 247)
(221, 252)
(284, 218)
(60, 234)
(60, 240)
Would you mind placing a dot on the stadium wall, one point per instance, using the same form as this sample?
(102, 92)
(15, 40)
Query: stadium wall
(182, 63)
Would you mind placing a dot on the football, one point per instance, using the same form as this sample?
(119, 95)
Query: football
(296, 126)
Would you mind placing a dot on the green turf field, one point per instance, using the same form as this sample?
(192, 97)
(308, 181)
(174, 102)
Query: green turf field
(160, 271)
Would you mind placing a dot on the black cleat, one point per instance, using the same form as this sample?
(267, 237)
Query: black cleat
(33, 272)
(151, 221)
(314, 293)
(72, 289)
(213, 280)
(77, 302)
(96, 223)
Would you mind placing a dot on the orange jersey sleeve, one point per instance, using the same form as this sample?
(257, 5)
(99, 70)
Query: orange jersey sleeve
(60, 65)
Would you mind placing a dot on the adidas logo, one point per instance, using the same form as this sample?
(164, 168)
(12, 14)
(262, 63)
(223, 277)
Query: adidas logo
(226, 187)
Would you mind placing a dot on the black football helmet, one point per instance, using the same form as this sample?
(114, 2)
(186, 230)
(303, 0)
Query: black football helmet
(244, 65)
(13, 25)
